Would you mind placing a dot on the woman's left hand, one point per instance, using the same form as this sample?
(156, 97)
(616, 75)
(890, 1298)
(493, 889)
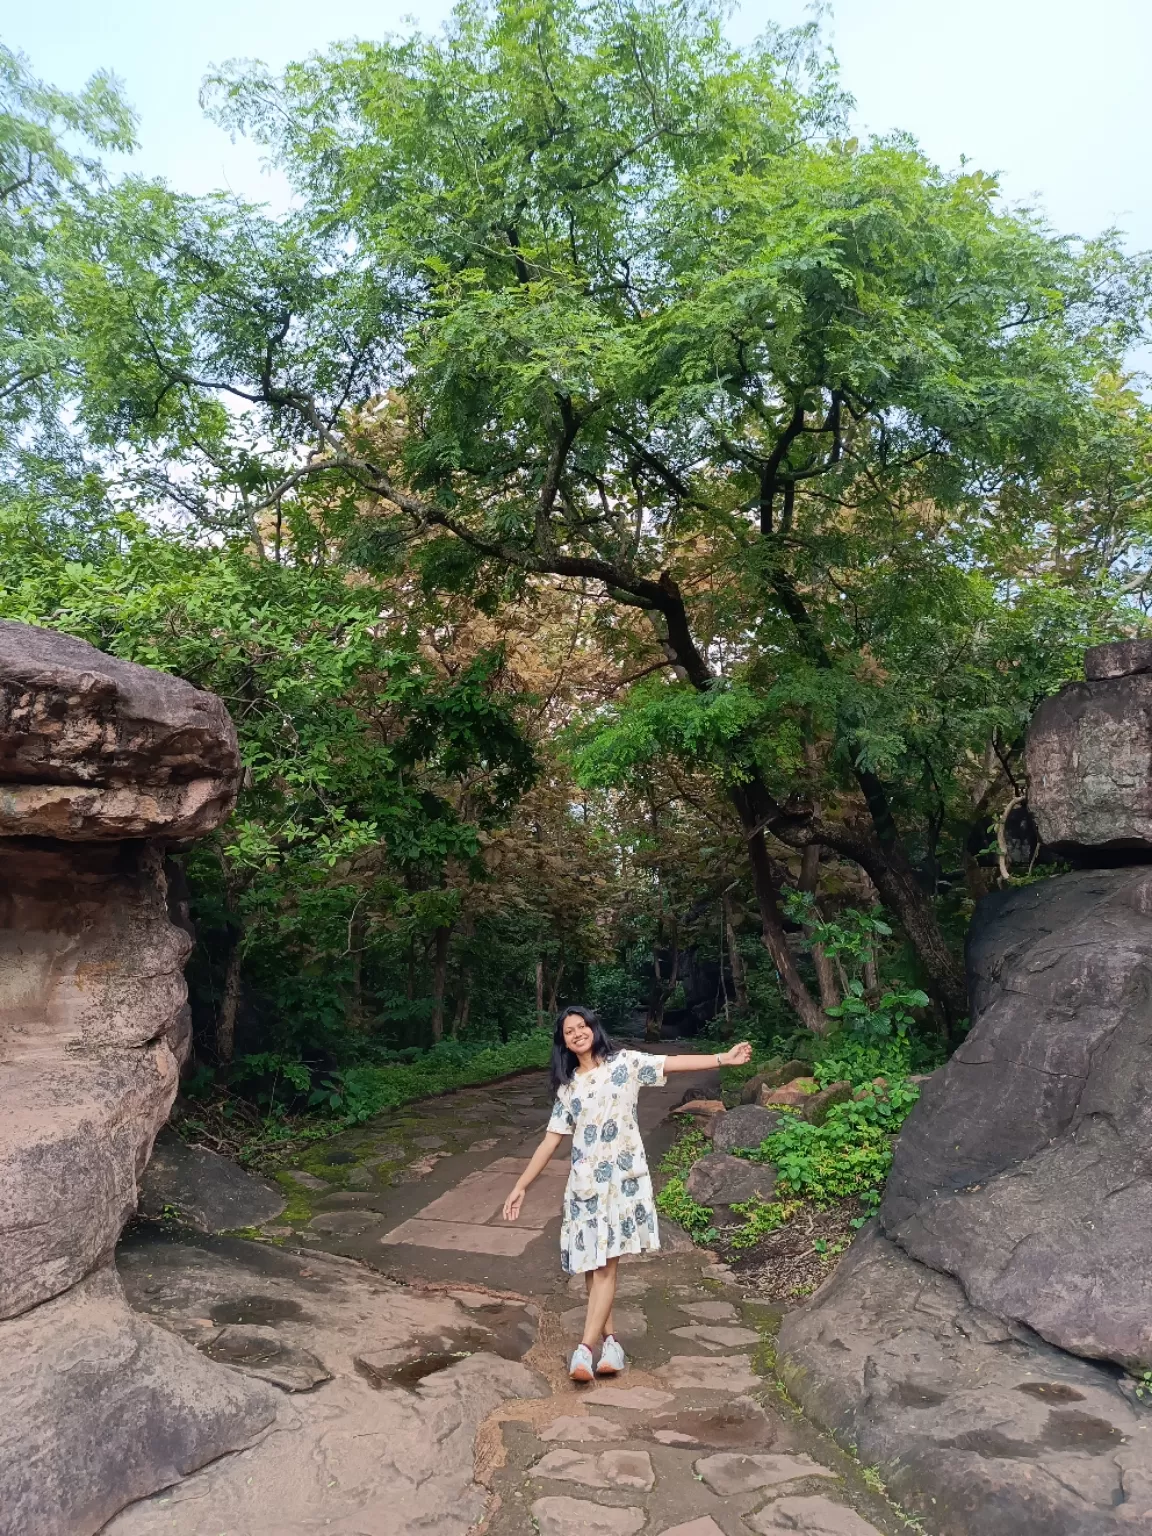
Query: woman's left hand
(736, 1055)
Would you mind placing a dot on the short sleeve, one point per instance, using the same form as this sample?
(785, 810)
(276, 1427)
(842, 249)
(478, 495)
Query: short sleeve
(649, 1070)
(563, 1121)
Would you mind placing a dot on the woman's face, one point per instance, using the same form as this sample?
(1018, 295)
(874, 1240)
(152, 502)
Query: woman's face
(577, 1034)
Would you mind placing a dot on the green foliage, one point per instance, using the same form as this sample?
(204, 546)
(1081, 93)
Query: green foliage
(761, 1217)
(677, 1204)
(882, 1018)
(848, 1156)
(614, 991)
(688, 1148)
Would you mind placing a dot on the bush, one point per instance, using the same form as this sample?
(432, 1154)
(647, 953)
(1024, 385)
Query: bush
(677, 1204)
(614, 992)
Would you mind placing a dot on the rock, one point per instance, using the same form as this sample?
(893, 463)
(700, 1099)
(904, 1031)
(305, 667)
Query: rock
(709, 1311)
(728, 1374)
(95, 748)
(744, 1127)
(347, 1223)
(630, 1321)
(716, 1333)
(773, 1077)
(100, 1406)
(819, 1516)
(639, 1399)
(1089, 762)
(569, 1427)
(733, 1472)
(738, 1424)
(702, 1111)
(791, 1095)
(1023, 1168)
(610, 1469)
(348, 1458)
(961, 1411)
(705, 1526)
(722, 1180)
(260, 1352)
(210, 1191)
(1120, 658)
(580, 1517)
(308, 1180)
(816, 1106)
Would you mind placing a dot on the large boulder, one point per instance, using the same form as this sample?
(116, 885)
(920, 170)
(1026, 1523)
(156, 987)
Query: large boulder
(1024, 1168)
(722, 1180)
(1089, 758)
(745, 1127)
(974, 1423)
(209, 1191)
(101, 764)
(92, 747)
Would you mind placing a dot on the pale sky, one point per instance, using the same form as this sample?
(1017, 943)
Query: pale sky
(1051, 94)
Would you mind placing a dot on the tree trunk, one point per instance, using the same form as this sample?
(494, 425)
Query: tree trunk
(439, 979)
(554, 991)
(735, 961)
(811, 1015)
(463, 1008)
(825, 970)
(229, 1006)
(541, 1019)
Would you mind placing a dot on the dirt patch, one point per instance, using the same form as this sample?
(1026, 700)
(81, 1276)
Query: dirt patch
(793, 1261)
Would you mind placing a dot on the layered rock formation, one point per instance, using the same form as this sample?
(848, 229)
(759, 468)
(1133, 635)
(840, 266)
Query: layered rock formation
(1015, 1240)
(101, 763)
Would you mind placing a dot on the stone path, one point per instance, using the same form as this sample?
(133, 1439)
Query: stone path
(428, 1391)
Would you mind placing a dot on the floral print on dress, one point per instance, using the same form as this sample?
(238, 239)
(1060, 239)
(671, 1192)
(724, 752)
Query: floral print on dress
(608, 1206)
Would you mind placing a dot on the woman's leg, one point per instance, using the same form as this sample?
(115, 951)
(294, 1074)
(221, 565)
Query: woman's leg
(601, 1285)
(609, 1326)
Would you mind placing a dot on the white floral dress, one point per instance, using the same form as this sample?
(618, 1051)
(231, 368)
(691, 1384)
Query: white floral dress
(608, 1205)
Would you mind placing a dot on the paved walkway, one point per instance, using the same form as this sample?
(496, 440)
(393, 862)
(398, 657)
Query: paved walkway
(694, 1440)
(425, 1385)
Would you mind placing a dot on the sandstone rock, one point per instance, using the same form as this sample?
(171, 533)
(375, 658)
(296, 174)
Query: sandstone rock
(631, 1322)
(740, 1423)
(744, 1127)
(792, 1095)
(722, 1180)
(1023, 1168)
(703, 1113)
(99, 1407)
(961, 1411)
(705, 1526)
(580, 1517)
(818, 1516)
(717, 1333)
(92, 747)
(1089, 761)
(210, 1191)
(709, 1311)
(259, 1351)
(569, 1427)
(610, 1469)
(732, 1472)
(1120, 658)
(728, 1374)
(639, 1399)
(773, 1077)
(817, 1105)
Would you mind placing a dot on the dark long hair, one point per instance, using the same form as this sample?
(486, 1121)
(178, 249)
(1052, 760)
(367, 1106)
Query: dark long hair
(564, 1061)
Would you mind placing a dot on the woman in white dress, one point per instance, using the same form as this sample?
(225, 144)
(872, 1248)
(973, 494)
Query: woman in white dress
(608, 1204)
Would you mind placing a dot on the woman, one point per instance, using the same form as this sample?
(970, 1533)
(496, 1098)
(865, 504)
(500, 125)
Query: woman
(608, 1205)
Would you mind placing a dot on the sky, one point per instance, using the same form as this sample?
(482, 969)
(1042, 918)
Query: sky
(1050, 94)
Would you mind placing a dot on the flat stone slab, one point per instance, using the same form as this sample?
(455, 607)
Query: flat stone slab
(571, 1426)
(640, 1399)
(259, 1351)
(705, 1526)
(817, 1516)
(580, 1517)
(715, 1333)
(352, 1223)
(709, 1311)
(308, 1180)
(610, 1469)
(462, 1237)
(739, 1424)
(211, 1192)
(630, 1321)
(733, 1472)
(727, 1374)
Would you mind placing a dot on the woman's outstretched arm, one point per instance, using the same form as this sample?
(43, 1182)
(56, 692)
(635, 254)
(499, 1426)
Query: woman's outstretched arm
(734, 1056)
(536, 1165)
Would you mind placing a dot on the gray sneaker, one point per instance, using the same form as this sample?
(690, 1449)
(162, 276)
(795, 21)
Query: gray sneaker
(580, 1367)
(612, 1358)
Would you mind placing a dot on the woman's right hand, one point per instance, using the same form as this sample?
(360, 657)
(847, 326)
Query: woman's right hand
(513, 1203)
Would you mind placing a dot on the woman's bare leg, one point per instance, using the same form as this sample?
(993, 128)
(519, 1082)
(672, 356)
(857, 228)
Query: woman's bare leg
(601, 1294)
(609, 1325)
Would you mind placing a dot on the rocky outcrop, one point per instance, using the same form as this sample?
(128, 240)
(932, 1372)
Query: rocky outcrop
(210, 1192)
(955, 1345)
(101, 762)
